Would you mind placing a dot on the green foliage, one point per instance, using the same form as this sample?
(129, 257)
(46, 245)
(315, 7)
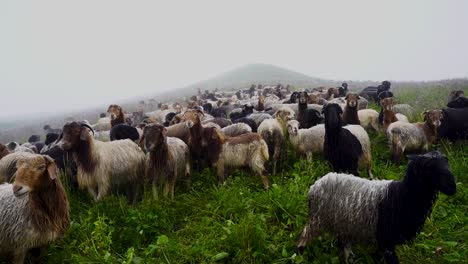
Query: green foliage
(239, 222)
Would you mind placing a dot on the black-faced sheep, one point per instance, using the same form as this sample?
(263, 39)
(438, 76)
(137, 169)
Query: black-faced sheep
(307, 141)
(34, 138)
(346, 148)
(382, 212)
(104, 165)
(307, 117)
(34, 209)
(167, 160)
(413, 137)
(247, 150)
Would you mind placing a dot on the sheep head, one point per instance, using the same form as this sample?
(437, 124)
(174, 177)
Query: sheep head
(154, 136)
(387, 103)
(72, 135)
(313, 98)
(34, 174)
(115, 111)
(194, 116)
(431, 170)
(352, 100)
(433, 118)
(332, 113)
(303, 97)
(293, 127)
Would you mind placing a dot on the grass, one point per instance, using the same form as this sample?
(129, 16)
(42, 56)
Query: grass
(240, 223)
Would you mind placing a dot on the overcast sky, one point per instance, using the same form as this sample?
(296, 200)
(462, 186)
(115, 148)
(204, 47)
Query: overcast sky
(57, 55)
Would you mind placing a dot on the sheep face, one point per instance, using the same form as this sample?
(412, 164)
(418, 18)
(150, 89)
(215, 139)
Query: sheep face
(193, 115)
(332, 114)
(436, 166)
(387, 104)
(303, 97)
(72, 134)
(333, 91)
(114, 111)
(154, 136)
(34, 174)
(433, 117)
(3, 151)
(293, 127)
(313, 99)
(455, 94)
(352, 100)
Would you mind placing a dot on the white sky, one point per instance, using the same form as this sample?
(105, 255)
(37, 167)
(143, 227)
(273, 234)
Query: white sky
(61, 55)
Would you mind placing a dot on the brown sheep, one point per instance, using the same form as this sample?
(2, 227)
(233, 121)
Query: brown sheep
(350, 114)
(34, 210)
(3, 151)
(116, 114)
(247, 150)
(389, 115)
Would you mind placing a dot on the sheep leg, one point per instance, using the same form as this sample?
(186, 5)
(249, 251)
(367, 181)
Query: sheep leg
(102, 191)
(18, 257)
(309, 156)
(397, 152)
(220, 171)
(346, 250)
(258, 167)
(93, 190)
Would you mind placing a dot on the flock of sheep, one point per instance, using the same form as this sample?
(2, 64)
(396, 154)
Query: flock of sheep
(226, 130)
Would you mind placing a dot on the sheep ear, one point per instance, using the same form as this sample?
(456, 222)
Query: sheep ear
(424, 114)
(51, 167)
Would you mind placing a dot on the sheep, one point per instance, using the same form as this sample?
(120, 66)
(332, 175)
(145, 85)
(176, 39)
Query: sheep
(102, 165)
(261, 103)
(117, 115)
(169, 118)
(103, 136)
(180, 130)
(413, 137)
(362, 102)
(246, 110)
(307, 117)
(406, 110)
(459, 102)
(11, 146)
(103, 124)
(306, 141)
(272, 131)
(237, 129)
(65, 163)
(350, 115)
(346, 148)
(246, 120)
(369, 118)
(247, 150)
(34, 210)
(454, 124)
(51, 137)
(168, 158)
(382, 212)
(222, 122)
(124, 131)
(3, 151)
(258, 118)
(34, 138)
(388, 115)
(48, 129)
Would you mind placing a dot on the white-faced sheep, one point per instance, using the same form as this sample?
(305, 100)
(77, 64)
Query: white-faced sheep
(167, 160)
(247, 150)
(346, 148)
(413, 137)
(382, 212)
(273, 131)
(104, 165)
(307, 141)
(34, 209)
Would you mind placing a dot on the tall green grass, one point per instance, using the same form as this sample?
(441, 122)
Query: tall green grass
(239, 222)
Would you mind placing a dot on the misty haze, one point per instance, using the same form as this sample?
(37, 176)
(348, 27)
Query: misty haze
(279, 89)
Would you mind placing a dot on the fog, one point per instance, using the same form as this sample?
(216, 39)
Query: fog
(62, 55)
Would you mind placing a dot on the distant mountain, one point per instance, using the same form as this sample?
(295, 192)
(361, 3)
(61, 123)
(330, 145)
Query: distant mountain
(256, 74)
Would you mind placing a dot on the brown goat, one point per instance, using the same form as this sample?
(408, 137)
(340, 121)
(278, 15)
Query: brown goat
(350, 114)
(193, 119)
(246, 150)
(167, 158)
(116, 114)
(3, 151)
(39, 219)
(261, 103)
(389, 115)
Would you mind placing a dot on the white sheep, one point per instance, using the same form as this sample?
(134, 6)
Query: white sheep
(369, 119)
(235, 129)
(307, 141)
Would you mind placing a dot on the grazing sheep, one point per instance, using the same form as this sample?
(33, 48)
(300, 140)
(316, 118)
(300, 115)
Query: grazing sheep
(247, 150)
(350, 115)
(34, 209)
(307, 117)
(346, 148)
(406, 110)
(413, 137)
(250, 122)
(102, 165)
(382, 212)
(306, 141)
(454, 124)
(168, 158)
(3, 151)
(237, 129)
(124, 131)
(369, 119)
(272, 131)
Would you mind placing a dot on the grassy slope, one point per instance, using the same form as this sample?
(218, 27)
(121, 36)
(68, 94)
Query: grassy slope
(241, 223)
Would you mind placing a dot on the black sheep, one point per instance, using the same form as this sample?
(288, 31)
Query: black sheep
(454, 124)
(343, 89)
(459, 102)
(250, 122)
(219, 112)
(207, 108)
(307, 117)
(246, 110)
(51, 137)
(65, 162)
(169, 118)
(123, 131)
(342, 149)
(34, 138)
